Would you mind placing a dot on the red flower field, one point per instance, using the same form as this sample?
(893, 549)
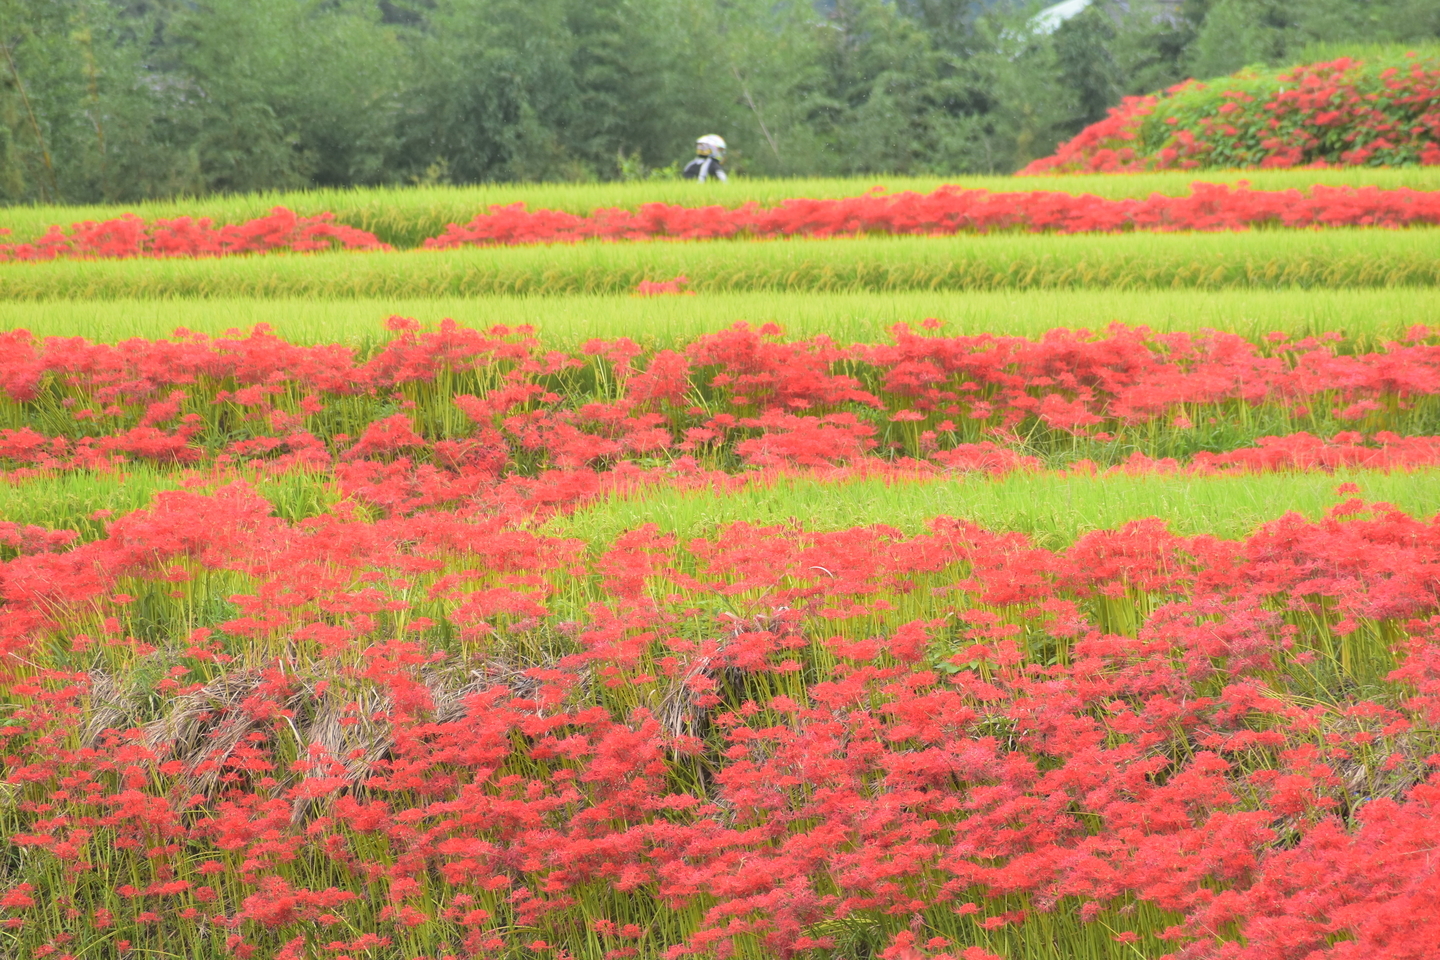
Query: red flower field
(1097, 621)
(949, 210)
(342, 691)
(464, 406)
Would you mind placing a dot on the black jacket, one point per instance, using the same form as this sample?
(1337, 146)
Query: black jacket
(703, 168)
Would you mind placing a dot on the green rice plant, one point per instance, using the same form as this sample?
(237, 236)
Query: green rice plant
(1263, 259)
(80, 500)
(1052, 508)
(1342, 662)
(1365, 316)
(405, 216)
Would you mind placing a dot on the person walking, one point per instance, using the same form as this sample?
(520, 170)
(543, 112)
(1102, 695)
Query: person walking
(709, 159)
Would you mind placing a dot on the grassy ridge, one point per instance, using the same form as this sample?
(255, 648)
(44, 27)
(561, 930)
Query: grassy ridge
(1259, 259)
(1364, 316)
(404, 216)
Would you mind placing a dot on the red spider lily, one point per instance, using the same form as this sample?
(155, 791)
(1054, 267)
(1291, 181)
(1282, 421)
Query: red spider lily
(129, 236)
(951, 210)
(416, 717)
(883, 710)
(651, 288)
(971, 403)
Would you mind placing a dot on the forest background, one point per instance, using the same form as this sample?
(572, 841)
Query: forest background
(120, 100)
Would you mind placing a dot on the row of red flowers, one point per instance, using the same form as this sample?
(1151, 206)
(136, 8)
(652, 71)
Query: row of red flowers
(130, 236)
(1339, 113)
(948, 210)
(468, 407)
(439, 736)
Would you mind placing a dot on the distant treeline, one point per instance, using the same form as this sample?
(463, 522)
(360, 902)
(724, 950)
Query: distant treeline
(119, 100)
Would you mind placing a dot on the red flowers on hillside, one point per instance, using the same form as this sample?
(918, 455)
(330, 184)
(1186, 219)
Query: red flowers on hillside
(1339, 113)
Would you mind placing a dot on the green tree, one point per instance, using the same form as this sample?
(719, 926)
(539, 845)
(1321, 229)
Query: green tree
(644, 81)
(78, 121)
(759, 61)
(285, 93)
(1087, 66)
(115, 100)
(491, 91)
(883, 103)
(1231, 34)
(1235, 34)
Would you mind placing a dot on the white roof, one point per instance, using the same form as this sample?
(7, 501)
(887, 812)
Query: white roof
(1049, 19)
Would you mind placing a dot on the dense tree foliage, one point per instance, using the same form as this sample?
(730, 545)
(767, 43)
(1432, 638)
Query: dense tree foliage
(123, 99)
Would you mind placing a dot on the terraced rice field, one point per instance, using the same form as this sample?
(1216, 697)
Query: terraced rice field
(406, 216)
(1021, 596)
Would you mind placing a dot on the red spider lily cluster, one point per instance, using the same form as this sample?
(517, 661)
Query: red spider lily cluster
(407, 721)
(1340, 113)
(129, 236)
(951, 210)
(948, 210)
(438, 736)
(454, 410)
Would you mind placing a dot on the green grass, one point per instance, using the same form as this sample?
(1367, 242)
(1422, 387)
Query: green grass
(1052, 508)
(1262, 259)
(1364, 316)
(405, 216)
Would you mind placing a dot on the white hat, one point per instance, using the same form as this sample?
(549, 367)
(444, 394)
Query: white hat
(711, 145)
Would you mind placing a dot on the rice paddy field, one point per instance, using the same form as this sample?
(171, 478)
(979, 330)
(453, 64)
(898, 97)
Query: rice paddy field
(992, 595)
(406, 216)
(1267, 260)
